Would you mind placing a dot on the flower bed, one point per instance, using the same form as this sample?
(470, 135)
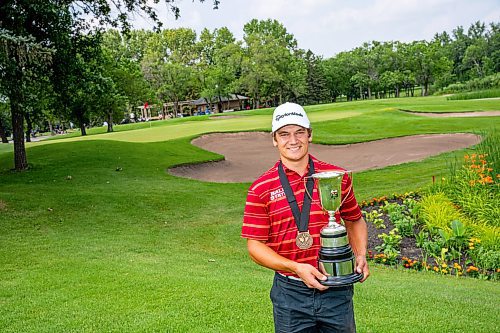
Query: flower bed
(399, 236)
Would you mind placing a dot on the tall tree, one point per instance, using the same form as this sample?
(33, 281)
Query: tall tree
(317, 91)
(272, 62)
(18, 54)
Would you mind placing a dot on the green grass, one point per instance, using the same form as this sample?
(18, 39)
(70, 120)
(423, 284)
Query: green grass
(139, 250)
(5, 147)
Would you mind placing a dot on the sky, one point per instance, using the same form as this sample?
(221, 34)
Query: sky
(328, 27)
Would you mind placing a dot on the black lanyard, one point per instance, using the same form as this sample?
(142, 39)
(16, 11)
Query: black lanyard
(301, 217)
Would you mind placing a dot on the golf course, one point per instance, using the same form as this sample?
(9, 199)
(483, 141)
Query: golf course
(98, 235)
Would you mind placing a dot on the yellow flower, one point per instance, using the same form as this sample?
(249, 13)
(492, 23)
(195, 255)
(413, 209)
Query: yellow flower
(444, 265)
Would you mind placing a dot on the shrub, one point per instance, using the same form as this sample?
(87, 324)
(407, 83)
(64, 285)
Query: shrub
(474, 185)
(488, 82)
(490, 93)
(438, 211)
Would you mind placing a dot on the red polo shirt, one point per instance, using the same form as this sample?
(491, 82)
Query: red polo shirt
(269, 218)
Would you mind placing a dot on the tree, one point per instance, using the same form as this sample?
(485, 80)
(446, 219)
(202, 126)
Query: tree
(17, 55)
(122, 66)
(169, 64)
(428, 63)
(338, 73)
(272, 63)
(219, 66)
(316, 91)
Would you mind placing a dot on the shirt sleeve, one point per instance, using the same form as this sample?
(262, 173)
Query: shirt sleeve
(256, 222)
(349, 211)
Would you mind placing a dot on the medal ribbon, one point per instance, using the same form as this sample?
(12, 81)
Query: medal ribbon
(301, 217)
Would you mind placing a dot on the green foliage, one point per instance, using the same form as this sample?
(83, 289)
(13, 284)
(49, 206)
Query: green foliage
(486, 83)
(438, 211)
(390, 243)
(427, 242)
(403, 217)
(455, 240)
(375, 217)
(473, 184)
(492, 93)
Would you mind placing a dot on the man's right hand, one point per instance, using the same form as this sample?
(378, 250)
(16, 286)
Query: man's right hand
(310, 276)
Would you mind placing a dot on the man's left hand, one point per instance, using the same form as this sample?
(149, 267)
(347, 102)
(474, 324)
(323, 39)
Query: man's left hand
(362, 267)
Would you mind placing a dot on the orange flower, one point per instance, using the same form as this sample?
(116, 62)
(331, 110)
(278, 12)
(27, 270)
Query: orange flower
(488, 180)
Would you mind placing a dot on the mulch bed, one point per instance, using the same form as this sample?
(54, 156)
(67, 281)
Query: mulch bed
(408, 246)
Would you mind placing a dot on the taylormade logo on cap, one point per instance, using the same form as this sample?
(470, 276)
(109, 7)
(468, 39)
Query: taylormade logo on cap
(289, 114)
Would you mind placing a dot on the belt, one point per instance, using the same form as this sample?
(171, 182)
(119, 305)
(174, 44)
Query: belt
(298, 282)
(291, 277)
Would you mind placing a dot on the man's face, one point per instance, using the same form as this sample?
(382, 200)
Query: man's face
(292, 142)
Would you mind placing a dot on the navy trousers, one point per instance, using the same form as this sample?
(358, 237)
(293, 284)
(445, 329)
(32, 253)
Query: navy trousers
(298, 308)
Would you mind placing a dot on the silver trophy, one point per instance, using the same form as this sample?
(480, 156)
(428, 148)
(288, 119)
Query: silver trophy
(336, 259)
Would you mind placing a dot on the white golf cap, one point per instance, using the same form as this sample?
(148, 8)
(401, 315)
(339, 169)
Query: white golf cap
(289, 114)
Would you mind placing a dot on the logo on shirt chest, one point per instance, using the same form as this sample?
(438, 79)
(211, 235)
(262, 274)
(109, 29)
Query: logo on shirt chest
(277, 194)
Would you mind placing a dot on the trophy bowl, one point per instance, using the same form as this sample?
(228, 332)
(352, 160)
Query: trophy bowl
(336, 259)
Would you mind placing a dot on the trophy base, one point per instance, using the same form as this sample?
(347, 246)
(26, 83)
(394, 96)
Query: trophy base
(341, 281)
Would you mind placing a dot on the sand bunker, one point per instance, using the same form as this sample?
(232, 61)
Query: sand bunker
(248, 155)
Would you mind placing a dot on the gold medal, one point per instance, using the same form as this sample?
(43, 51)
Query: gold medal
(304, 240)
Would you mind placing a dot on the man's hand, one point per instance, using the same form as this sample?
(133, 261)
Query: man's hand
(362, 267)
(310, 275)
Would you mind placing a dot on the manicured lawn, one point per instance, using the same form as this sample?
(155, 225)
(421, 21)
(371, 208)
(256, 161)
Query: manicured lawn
(87, 248)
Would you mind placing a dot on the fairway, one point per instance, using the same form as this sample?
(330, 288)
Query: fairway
(97, 236)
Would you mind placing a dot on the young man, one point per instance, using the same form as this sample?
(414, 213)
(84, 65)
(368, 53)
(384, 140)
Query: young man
(300, 302)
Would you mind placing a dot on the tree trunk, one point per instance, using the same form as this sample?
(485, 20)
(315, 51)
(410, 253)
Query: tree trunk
(220, 106)
(81, 123)
(425, 89)
(110, 122)
(20, 160)
(3, 132)
(15, 97)
(176, 106)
